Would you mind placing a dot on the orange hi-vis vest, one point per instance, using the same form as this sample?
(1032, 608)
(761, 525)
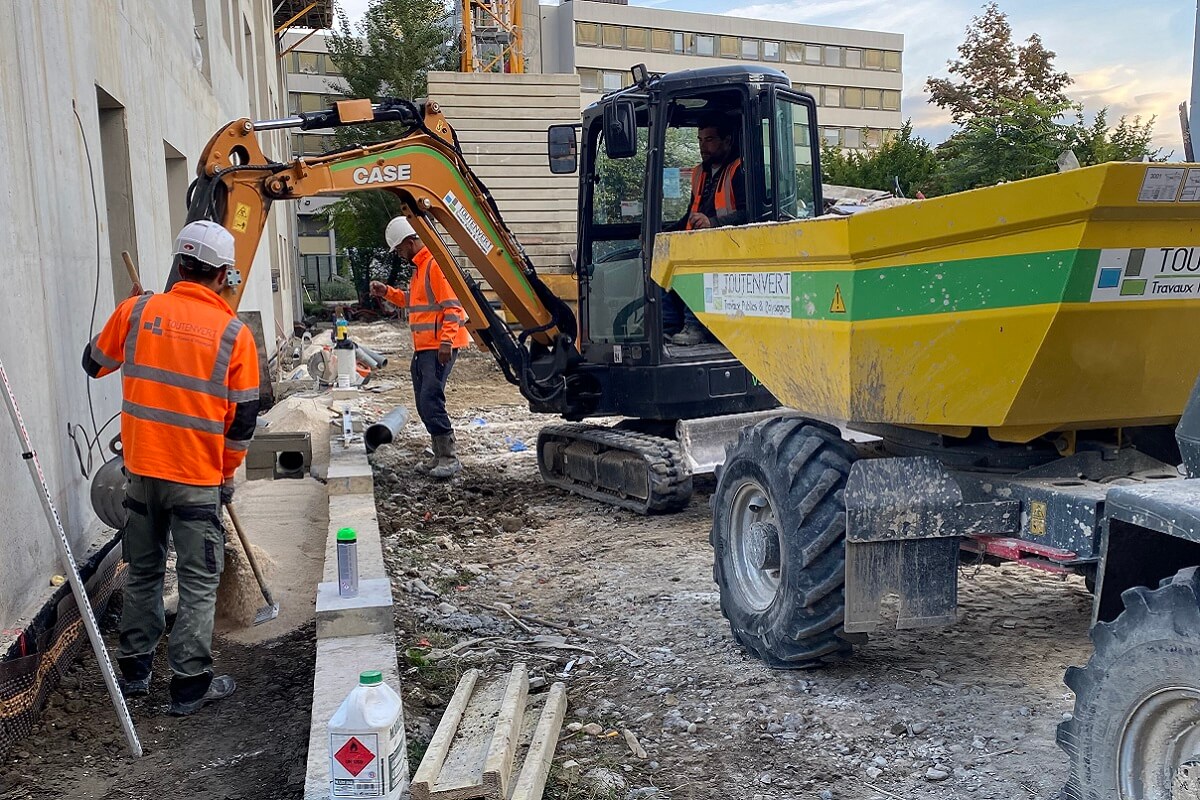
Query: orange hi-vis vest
(189, 381)
(435, 315)
(723, 199)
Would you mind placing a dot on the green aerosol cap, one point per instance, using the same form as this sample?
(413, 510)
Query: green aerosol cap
(347, 535)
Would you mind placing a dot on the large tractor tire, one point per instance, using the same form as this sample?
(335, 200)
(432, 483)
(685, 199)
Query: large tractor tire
(1135, 734)
(778, 536)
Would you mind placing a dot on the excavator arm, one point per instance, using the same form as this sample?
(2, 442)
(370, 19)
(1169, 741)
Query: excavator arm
(236, 184)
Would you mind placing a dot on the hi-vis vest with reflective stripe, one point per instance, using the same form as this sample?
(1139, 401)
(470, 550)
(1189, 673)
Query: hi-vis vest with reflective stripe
(435, 315)
(723, 198)
(186, 364)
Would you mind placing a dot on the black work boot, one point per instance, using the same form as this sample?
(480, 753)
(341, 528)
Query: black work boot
(135, 674)
(189, 695)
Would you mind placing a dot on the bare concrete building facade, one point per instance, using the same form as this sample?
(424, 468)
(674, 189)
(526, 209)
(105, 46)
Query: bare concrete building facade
(105, 108)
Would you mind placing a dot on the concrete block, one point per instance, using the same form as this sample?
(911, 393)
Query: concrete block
(370, 611)
(345, 395)
(350, 478)
(355, 511)
(339, 662)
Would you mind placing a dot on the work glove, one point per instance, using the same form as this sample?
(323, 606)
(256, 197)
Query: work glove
(445, 353)
(226, 494)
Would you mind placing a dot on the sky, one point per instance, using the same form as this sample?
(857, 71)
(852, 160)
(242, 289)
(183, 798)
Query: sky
(1132, 58)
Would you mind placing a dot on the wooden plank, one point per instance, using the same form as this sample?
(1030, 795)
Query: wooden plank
(461, 775)
(439, 745)
(498, 764)
(536, 769)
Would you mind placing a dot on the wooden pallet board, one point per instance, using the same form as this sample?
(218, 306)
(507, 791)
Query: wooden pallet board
(494, 741)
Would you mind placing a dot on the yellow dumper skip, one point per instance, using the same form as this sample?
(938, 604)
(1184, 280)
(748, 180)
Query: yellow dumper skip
(1060, 303)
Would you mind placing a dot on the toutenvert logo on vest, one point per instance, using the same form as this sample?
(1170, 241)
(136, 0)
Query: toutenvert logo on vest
(188, 330)
(154, 327)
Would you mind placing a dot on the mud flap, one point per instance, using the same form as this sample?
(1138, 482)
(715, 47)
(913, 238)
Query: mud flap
(905, 518)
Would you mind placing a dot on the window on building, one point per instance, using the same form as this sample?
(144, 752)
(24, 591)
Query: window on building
(311, 225)
(612, 35)
(831, 136)
(874, 137)
(587, 33)
(812, 54)
(770, 51)
(706, 45)
(793, 53)
(833, 56)
(833, 96)
(589, 80)
(731, 46)
(852, 98)
(891, 100)
(750, 49)
(681, 42)
(854, 58)
(815, 91)
(307, 102)
(331, 67)
(852, 137)
(637, 38)
(612, 81)
(873, 59)
(660, 41)
(308, 63)
(891, 61)
(872, 98)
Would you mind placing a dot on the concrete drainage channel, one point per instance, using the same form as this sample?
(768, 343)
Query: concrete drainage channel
(353, 634)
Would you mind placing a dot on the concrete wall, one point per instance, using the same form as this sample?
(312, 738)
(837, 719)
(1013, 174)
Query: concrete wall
(501, 121)
(166, 92)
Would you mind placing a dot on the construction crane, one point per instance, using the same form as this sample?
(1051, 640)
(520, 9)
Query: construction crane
(492, 37)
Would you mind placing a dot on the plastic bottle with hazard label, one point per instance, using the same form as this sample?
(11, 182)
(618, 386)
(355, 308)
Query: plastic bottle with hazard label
(368, 753)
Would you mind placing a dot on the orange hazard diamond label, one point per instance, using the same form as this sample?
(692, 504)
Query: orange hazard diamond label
(354, 756)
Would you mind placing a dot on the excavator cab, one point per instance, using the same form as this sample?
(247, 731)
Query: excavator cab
(638, 151)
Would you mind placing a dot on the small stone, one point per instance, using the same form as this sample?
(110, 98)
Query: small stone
(880, 761)
(928, 673)
(764, 778)
(691, 728)
(775, 727)
(593, 729)
(537, 682)
(898, 729)
(933, 774)
(874, 772)
(445, 609)
(568, 772)
(671, 700)
(574, 727)
(919, 727)
(1067, 716)
(826, 794)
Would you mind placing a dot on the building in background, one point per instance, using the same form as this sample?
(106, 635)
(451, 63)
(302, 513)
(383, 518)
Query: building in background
(312, 78)
(855, 75)
(105, 108)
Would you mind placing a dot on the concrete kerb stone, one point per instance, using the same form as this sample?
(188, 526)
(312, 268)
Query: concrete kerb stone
(346, 644)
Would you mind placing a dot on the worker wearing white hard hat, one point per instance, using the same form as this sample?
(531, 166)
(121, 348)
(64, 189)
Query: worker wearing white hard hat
(190, 390)
(438, 324)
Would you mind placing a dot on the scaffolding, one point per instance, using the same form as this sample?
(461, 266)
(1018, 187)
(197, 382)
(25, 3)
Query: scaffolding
(492, 37)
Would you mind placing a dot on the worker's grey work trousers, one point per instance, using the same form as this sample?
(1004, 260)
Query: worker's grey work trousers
(429, 378)
(192, 516)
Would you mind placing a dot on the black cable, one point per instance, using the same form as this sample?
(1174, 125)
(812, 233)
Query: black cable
(96, 294)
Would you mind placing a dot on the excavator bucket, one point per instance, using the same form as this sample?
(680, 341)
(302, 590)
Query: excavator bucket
(1060, 303)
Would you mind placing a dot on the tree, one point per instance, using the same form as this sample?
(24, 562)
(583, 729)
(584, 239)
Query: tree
(397, 43)
(903, 159)
(1023, 139)
(995, 71)
(1128, 141)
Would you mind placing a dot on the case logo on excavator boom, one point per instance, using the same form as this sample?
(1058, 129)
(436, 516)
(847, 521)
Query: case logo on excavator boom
(388, 173)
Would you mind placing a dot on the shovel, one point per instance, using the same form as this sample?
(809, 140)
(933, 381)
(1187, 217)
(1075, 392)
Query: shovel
(271, 610)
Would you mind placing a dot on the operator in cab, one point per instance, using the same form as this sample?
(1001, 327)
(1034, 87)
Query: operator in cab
(438, 324)
(718, 199)
(190, 390)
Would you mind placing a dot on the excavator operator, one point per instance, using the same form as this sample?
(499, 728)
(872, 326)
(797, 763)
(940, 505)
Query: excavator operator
(438, 324)
(718, 199)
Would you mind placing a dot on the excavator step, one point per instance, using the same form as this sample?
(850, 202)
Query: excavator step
(635, 471)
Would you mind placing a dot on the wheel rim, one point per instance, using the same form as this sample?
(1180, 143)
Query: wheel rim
(1158, 739)
(754, 546)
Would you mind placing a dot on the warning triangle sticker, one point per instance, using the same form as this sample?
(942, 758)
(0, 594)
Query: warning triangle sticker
(354, 756)
(838, 306)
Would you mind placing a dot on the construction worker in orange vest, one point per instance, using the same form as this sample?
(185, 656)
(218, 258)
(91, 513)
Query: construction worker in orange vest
(718, 199)
(190, 403)
(438, 324)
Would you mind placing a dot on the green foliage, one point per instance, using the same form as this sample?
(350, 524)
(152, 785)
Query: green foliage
(995, 72)
(903, 159)
(1128, 141)
(396, 44)
(339, 290)
(1023, 141)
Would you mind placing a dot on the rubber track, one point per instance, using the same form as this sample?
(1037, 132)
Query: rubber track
(670, 480)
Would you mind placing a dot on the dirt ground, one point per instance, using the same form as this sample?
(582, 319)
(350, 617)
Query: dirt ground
(479, 565)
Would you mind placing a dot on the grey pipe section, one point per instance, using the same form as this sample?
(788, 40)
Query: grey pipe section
(380, 359)
(364, 358)
(386, 430)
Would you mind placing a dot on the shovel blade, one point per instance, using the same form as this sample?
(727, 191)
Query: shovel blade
(266, 614)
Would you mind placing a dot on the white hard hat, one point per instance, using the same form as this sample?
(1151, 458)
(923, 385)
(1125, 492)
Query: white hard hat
(397, 231)
(207, 242)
